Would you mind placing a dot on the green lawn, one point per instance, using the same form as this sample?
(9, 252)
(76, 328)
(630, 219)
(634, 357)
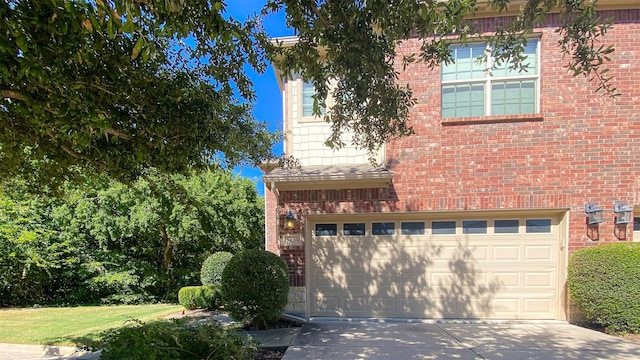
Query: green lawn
(73, 325)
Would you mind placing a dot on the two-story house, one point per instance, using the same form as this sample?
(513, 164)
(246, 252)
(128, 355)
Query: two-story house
(477, 213)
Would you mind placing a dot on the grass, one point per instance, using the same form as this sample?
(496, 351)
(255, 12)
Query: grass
(72, 326)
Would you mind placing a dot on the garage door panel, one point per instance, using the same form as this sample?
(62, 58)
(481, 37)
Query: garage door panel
(539, 253)
(489, 275)
(539, 279)
(508, 280)
(326, 305)
(506, 253)
(538, 306)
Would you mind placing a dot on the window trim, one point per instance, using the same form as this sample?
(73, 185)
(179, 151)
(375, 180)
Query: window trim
(519, 228)
(486, 226)
(526, 227)
(455, 227)
(364, 225)
(487, 81)
(300, 84)
(402, 229)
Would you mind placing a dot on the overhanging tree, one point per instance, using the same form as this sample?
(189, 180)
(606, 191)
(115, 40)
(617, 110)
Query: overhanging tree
(356, 42)
(117, 86)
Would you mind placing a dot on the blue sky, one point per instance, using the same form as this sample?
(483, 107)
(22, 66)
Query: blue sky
(268, 106)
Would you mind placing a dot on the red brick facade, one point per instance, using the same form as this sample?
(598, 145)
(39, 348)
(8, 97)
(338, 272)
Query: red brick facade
(582, 147)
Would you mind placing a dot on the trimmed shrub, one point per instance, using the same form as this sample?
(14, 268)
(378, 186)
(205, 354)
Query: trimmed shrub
(204, 297)
(188, 297)
(255, 285)
(211, 272)
(604, 281)
(174, 340)
(210, 297)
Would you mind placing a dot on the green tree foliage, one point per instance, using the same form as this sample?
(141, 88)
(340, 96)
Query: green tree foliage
(605, 283)
(30, 252)
(118, 86)
(255, 287)
(357, 43)
(115, 243)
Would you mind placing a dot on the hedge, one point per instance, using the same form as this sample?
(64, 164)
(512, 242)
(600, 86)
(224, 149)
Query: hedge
(604, 281)
(204, 297)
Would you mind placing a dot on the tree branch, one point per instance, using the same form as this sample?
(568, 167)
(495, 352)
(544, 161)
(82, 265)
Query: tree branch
(12, 94)
(73, 153)
(117, 134)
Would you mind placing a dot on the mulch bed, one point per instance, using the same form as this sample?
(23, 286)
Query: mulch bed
(269, 355)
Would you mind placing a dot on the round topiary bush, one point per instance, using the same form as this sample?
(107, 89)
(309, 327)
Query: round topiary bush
(211, 272)
(255, 285)
(188, 297)
(203, 297)
(604, 281)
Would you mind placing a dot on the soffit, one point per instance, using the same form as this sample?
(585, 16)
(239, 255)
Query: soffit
(328, 177)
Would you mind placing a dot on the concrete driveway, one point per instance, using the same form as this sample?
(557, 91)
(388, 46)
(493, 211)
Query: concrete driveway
(455, 340)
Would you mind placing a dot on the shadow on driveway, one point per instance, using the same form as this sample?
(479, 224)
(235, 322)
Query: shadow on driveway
(455, 340)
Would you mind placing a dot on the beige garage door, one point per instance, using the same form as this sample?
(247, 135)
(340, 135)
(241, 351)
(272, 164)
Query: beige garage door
(489, 267)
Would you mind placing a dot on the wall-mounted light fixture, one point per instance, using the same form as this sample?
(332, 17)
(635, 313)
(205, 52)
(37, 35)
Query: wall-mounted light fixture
(594, 214)
(594, 217)
(623, 217)
(290, 220)
(623, 212)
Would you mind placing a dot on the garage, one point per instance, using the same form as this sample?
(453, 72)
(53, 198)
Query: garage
(476, 266)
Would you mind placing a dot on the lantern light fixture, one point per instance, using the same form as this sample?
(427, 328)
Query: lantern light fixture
(290, 220)
(594, 213)
(623, 212)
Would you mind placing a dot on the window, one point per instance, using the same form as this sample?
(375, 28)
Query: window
(383, 228)
(412, 228)
(474, 227)
(506, 226)
(636, 227)
(326, 229)
(536, 226)
(353, 229)
(474, 87)
(308, 91)
(443, 227)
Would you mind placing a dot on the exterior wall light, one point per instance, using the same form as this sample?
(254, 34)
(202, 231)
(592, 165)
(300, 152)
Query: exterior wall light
(594, 214)
(290, 220)
(623, 212)
(623, 217)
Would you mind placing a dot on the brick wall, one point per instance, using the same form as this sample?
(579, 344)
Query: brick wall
(582, 147)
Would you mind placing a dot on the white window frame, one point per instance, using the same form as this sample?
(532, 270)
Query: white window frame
(489, 79)
(310, 118)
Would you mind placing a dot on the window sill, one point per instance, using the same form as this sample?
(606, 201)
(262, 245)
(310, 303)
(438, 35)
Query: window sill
(472, 120)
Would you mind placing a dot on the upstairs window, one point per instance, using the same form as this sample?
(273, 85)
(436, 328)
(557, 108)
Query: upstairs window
(308, 91)
(472, 86)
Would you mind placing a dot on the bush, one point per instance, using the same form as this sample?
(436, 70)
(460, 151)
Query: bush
(211, 272)
(174, 340)
(255, 285)
(188, 297)
(210, 297)
(604, 281)
(204, 297)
